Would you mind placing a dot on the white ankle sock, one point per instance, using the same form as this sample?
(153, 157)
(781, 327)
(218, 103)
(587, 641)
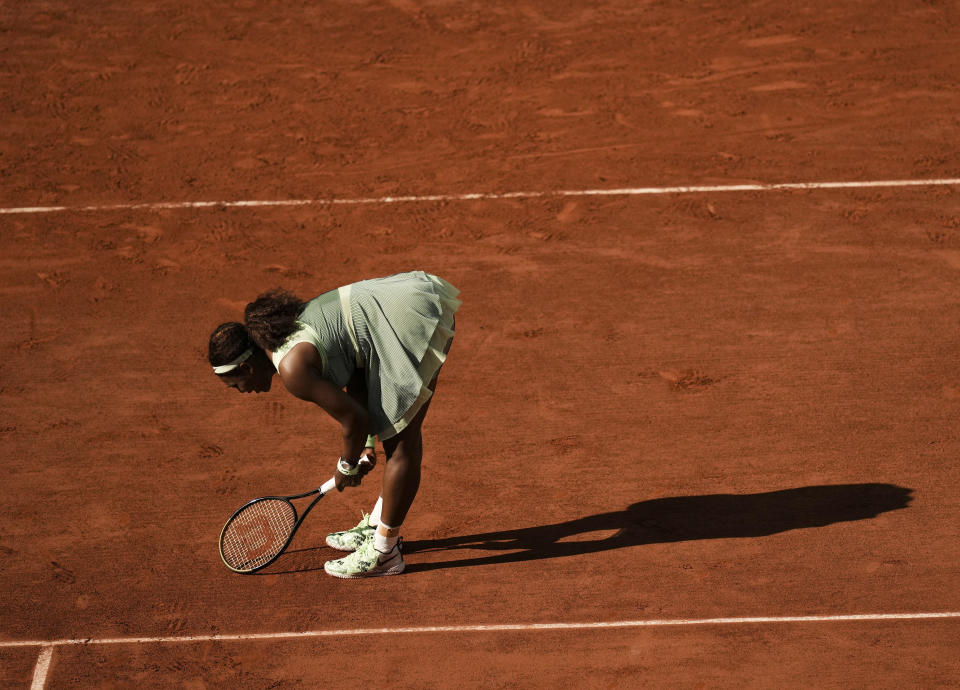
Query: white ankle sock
(384, 544)
(375, 513)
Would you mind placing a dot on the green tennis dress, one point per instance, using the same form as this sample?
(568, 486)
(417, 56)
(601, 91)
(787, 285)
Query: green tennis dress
(396, 329)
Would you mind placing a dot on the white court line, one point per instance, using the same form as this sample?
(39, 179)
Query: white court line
(630, 191)
(40, 671)
(501, 627)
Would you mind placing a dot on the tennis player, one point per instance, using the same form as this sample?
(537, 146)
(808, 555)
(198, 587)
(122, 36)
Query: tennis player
(369, 354)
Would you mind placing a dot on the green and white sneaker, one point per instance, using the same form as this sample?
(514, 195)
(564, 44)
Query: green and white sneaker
(351, 539)
(366, 561)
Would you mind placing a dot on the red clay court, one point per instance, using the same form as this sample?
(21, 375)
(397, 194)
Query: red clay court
(699, 424)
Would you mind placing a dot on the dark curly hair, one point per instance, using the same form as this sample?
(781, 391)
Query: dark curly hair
(272, 317)
(227, 342)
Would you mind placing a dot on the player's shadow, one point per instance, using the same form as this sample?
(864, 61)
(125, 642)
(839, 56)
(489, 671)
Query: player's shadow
(657, 521)
(664, 520)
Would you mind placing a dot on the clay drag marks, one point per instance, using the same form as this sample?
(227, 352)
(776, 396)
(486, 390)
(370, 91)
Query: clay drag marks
(733, 406)
(657, 408)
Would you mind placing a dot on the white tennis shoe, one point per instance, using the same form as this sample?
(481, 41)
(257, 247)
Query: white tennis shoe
(366, 561)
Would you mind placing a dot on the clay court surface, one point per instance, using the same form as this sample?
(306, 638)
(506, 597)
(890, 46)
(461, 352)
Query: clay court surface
(660, 409)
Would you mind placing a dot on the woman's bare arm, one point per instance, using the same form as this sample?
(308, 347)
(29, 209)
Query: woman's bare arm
(300, 371)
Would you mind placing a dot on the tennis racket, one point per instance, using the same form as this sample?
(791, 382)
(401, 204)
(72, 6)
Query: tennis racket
(257, 533)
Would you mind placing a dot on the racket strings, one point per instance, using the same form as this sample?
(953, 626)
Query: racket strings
(257, 534)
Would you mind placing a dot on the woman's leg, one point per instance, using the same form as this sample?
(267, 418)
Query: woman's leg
(401, 479)
(401, 476)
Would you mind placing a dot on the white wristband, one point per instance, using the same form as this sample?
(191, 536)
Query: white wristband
(346, 468)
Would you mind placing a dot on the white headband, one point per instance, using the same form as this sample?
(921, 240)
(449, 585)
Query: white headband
(225, 368)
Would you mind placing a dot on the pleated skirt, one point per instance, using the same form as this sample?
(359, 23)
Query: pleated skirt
(404, 326)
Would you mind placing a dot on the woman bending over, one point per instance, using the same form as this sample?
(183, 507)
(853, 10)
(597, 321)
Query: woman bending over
(369, 354)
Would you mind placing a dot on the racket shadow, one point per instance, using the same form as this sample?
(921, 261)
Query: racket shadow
(303, 560)
(674, 519)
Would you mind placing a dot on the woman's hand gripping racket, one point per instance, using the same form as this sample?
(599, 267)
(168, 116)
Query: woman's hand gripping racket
(257, 533)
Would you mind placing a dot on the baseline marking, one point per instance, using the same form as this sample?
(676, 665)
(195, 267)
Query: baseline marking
(43, 665)
(630, 191)
(503, 627)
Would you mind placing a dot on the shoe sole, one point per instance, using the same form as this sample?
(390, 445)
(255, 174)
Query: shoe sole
(393, 570)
